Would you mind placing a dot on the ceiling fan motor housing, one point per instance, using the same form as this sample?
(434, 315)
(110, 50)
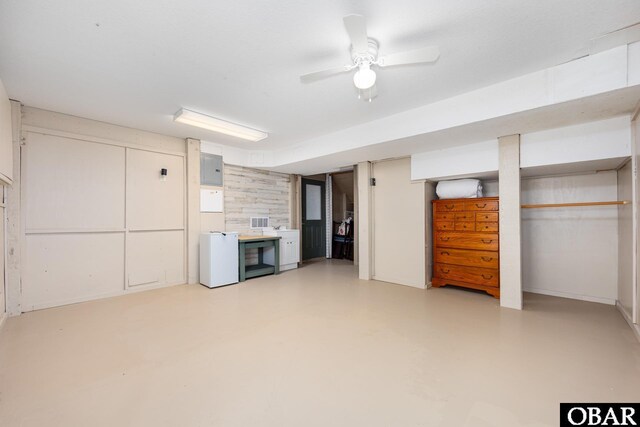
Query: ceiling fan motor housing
(370, 56)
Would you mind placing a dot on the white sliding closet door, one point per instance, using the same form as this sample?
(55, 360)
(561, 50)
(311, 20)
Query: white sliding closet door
(99, 220)
(73, 202)
(155, 219)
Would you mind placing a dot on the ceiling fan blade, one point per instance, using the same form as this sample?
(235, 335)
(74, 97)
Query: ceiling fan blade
(319, 75)
(357, 28)
(425, 54)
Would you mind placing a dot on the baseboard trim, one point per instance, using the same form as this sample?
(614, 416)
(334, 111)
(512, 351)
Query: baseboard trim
(395, 282)
(578, 297)
(118, 293)
(635, 328)
(3, 319)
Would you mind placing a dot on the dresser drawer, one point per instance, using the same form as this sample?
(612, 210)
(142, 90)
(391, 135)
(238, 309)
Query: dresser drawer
(465, 216)
(449, 206)
(444, 225)
(465, 226)
(443, 216)
(464, 240)
(487, 216)
(469, 258)
(481, 205)
(487, 226)
(481, 276)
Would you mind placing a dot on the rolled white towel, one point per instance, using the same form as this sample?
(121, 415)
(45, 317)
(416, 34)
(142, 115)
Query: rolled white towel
(459, 189)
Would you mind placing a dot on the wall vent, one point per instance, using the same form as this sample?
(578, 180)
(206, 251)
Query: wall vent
(259, 221)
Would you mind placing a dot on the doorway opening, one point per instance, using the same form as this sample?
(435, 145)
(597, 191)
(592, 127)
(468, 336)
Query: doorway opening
(328, 204)
(342, 215)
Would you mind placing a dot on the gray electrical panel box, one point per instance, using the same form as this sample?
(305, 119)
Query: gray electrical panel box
(210, 169)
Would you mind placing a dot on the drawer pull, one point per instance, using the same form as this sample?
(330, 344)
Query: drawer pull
(445, 272)
(444, 253)
(486, 258)
(449, 206)
(480, 207)
(444, 239)
(487, 278)
(487, 242)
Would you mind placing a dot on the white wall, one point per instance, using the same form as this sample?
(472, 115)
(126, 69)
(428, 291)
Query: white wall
(571, 252)
(604, 139)
(472, 159)
(490, 188)
(6, 157)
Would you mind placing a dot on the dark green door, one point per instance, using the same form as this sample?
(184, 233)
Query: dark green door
(313, 219)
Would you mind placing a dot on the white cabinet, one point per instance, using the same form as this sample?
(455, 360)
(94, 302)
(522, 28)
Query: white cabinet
(289, 248)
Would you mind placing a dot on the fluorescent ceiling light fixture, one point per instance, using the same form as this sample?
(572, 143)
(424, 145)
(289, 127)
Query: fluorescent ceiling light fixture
(203, 121)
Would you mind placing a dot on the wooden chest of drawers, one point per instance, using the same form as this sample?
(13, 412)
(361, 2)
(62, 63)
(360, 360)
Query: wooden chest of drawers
(466, 249)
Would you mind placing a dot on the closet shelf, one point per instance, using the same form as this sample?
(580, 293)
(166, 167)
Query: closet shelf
(571, 205)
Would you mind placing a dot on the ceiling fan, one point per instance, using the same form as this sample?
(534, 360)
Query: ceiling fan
(364, 55)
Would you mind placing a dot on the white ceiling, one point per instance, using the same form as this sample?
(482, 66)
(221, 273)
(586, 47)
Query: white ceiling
(135, 63)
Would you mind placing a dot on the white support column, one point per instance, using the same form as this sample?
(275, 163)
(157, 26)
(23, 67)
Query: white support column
(365, 270)
(193, 210)
(510, 235)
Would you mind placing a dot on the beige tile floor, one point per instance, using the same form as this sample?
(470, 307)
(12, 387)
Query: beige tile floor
(312, 347)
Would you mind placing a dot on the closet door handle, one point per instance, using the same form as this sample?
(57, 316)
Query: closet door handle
(487, 278)
(480, 207)
(444, 253)
(449, 206)
(444, 239)
(486, 258)
(487, 242)
(445, 272)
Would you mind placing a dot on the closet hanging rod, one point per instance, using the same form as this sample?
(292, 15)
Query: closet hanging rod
(571, 205)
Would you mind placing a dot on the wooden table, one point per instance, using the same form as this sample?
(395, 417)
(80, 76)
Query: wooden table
(258, 242)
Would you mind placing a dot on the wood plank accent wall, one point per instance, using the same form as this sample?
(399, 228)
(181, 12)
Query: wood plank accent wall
(253, 192)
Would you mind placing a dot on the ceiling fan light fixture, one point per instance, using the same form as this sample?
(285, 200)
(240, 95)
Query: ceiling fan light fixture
(365, 77)
(214, 124)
